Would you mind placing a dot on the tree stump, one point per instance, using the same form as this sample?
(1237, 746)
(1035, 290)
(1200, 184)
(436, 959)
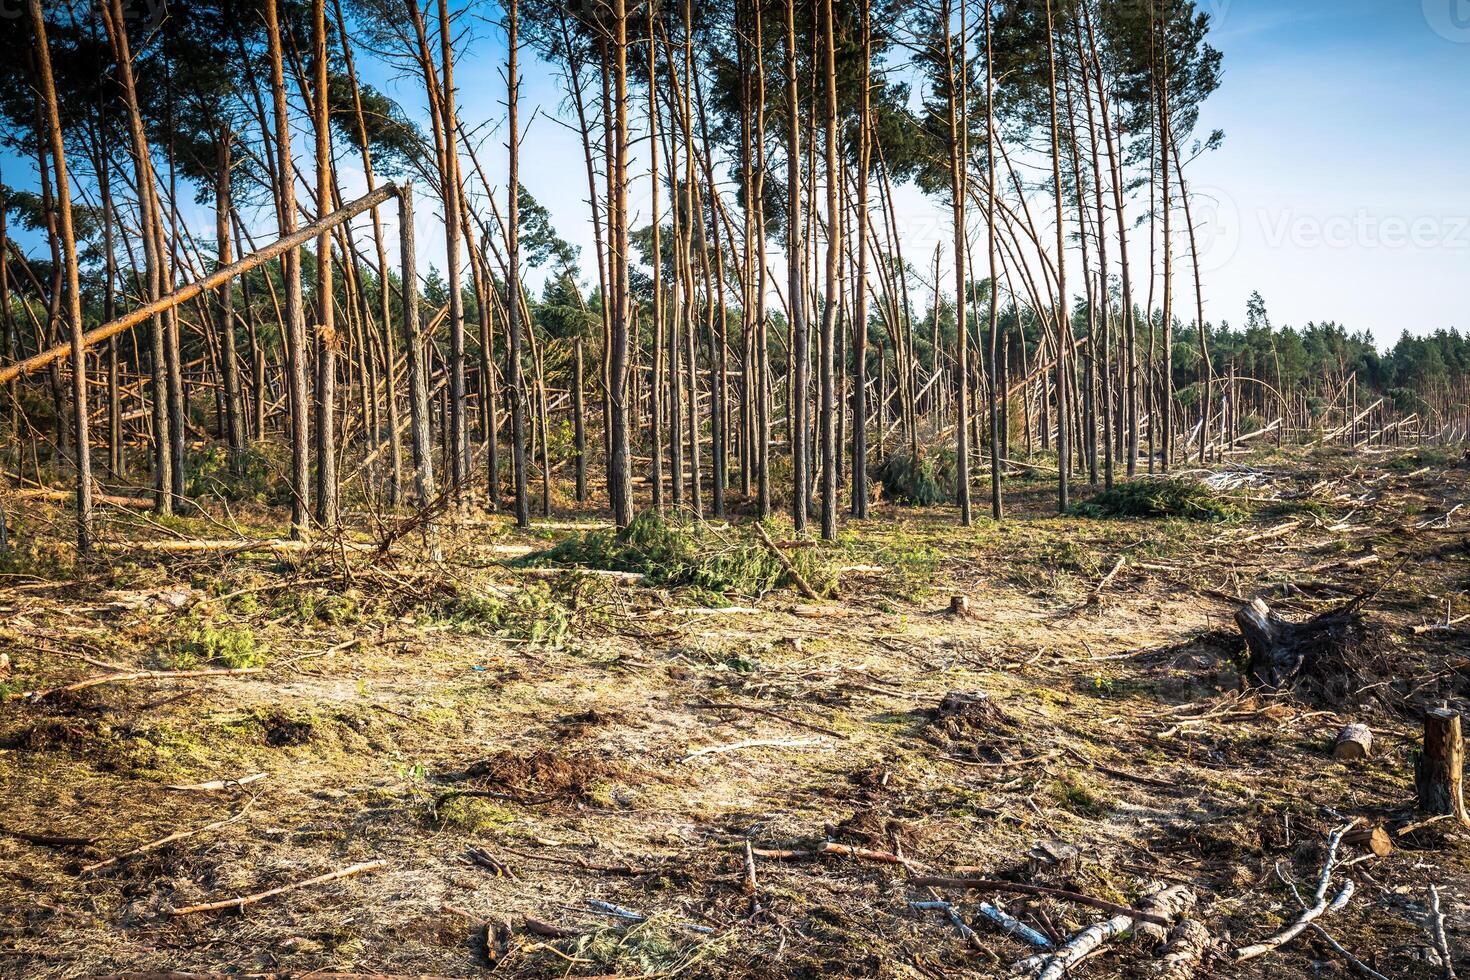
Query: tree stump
(1439, 771)
(1353, 742)
(1330, 654)
(959, 606)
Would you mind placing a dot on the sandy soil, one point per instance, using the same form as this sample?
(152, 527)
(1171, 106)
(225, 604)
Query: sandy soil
(515, 749)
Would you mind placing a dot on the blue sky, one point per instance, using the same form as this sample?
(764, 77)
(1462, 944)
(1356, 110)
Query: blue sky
(1345, 161)
(1339, 192)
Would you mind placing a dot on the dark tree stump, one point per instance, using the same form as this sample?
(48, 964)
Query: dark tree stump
(1439, 771)
(1334, 654)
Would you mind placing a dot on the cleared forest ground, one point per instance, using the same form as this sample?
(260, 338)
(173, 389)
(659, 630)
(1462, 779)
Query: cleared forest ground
(516, 746)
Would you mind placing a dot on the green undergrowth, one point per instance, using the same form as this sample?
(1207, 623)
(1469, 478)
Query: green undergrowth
(217, 645)
(1154, 497)
(710, 562)
(551, 614)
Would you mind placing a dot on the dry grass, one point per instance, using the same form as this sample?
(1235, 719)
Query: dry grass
(1117, 726)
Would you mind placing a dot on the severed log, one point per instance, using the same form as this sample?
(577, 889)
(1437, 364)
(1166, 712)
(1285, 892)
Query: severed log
(959, 606)
(1354, 742)
(1439, 770)
(203, 285)
(1171, 903)
(1375, 839)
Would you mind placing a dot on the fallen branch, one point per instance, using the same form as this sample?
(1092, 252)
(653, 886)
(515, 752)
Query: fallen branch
(730, 706)
(801, 584)
(866, 854)
(154, 845)
(240, 903)
(133, 675)
(991, 884)
(783, 743)
(1319, 908)
(1436, 932)
(1095, 595)
(1353, 961)
(1014, 926)
(1166, 904)
(215, 785)
(1084, 944)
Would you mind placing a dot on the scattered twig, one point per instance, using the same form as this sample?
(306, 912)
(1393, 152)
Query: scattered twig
(750, 743)
(955, 919)
(612, 869)
(731, 706)
(154, 845)
(1353, 961)
(1436, 932)
(241, 902)
(617, 911)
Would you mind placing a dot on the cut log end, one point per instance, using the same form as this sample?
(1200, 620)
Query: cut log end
(1354, 742)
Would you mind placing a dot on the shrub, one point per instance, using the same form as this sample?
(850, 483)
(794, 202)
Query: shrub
(683, 555)
(1160, 497)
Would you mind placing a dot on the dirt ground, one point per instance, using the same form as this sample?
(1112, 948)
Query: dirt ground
(517, 747)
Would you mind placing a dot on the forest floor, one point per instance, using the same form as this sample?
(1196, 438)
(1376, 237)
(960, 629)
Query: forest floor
(601, 724)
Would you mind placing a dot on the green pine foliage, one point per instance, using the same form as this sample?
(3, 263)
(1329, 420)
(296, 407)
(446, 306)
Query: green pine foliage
(1154, 497)
(922, 480)
(685, 555)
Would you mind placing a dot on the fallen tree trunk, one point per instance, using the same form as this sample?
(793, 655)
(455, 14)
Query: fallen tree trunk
(203, 285)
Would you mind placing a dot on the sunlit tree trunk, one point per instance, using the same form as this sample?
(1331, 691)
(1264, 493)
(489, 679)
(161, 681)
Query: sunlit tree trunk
(72, 309)
(513, 274)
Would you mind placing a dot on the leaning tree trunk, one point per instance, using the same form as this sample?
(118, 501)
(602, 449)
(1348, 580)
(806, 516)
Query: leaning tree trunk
(513, 280)
(73, 280)
(295, 318)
